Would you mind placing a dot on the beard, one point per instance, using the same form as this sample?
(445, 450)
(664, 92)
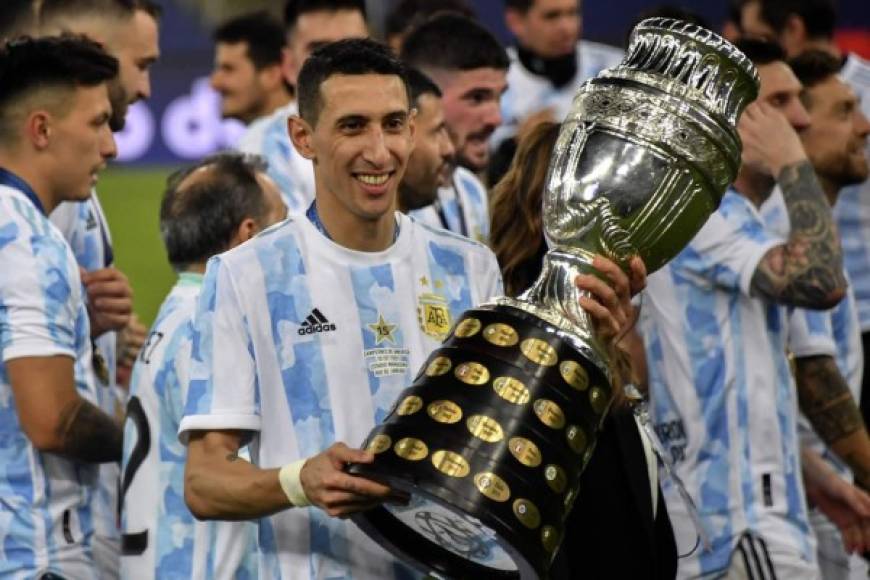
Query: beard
(844, 170)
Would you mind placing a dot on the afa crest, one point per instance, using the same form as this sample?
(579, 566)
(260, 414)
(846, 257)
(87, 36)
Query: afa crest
(433, 315)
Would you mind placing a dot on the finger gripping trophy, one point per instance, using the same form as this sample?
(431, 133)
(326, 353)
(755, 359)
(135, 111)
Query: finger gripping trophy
(491, 438)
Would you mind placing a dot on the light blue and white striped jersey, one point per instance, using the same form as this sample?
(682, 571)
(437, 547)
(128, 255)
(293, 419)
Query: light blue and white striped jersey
(85, 228)
(462, 207)
(722, 397)
(161, 537)
(529, 93)
(45, 500)
(293, 174)
(306, 343)
(852, 210)
(835, 332)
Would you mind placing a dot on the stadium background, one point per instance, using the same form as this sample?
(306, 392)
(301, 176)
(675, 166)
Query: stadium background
(181, 121)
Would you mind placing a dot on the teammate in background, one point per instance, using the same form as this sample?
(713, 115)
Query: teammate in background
(471, 76)
(408, 14)
(248, 68)
(54, 140)
(827, 343)
(216, 205)
(290, 328)
(307, 25)
(809, 25)
(549, 62)
(715, 324)
(128, 29)
(430, 164)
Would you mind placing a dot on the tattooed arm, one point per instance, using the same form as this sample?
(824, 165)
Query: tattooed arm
(824, 397)
(220, 485)
(807, 270)
(54, 416)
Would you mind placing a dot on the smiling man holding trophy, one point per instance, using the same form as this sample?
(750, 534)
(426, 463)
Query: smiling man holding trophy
(491, 438)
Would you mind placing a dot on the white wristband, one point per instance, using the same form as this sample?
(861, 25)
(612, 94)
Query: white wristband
(292, 484)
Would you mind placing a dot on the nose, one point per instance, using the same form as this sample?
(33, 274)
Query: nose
(448, 150)
(797, 115)
(375, 150)
(145, 86)
(108, 148)
(492, 117)
(862, 125)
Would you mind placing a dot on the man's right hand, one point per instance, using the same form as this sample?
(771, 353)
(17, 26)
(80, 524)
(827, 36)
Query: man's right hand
(336, 492)
(770, 143)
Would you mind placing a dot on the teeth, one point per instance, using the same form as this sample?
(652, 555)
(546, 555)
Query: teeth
(369, 179)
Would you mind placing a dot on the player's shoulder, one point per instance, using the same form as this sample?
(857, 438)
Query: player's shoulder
(448, 239)
(605, 53)
(468, 182)
(856, 71)
(283, 235)
(21, 222)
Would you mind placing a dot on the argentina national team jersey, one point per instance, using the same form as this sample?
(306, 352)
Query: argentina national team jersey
(528, 93)
(85, 228)
(45, 500)
(852, 210)
(161, 537)
(462, 207)
(835, 332)
(722, 398)
(292, 173)
(306, 343)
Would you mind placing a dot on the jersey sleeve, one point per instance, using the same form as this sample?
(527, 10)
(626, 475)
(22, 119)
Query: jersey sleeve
(39, 296)
(811, 333)
(222, 391)
(727, 250)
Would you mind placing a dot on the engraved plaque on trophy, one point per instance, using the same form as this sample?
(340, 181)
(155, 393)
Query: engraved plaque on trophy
(491, 438)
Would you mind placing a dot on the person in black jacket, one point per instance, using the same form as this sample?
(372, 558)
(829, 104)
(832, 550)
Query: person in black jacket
(619, 526)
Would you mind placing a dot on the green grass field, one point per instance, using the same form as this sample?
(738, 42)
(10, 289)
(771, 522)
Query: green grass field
(131, 200)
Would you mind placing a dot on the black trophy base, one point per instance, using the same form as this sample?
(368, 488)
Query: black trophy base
(489, 442)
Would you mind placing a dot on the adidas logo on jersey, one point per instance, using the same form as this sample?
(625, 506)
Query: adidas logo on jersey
(315, 322)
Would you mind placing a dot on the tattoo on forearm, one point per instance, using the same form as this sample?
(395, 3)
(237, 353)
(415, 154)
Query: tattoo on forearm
(825, 399)
(808, 269)
(88, 434)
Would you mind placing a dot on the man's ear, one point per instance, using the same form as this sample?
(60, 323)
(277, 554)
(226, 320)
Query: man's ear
(412, 122)
(302, 135)
(514, 21)
(271, 77)
(38, 129)
(793, 37)
(246, 230)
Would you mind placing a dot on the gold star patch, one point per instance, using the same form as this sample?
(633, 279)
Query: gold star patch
(424, 281)
(383, 330)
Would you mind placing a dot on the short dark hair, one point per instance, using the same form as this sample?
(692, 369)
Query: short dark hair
(410, 13)
(819, 16)
(16, 18)
(260, 31)
(49, 64)
(814, 66)
(153, 9)
(58, 11)
(420, 85)
(451, 41)
(351, 56)
(519, 5)
(199, 220)
(293, 9)
(759, 51)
